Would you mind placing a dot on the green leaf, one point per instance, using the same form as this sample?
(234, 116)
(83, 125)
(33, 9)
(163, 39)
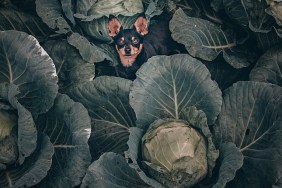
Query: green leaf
(205, 40)
(88, 51)
(34, 168)
(269, 67)
(235, 10)
(97, 9)
(155, 8)
(226, 75)
(51, 13)
(267, 40)
(72, 70)
(251, 118)
(20, 21)
(112, 170)
(259, 20)
(106, 99)
(217, 4)
(26, 130)
(230, 160)
(201, 38)
(67, 124)
(24, 63)
(198, 119)
(165, 86)
(133, 155)
(98, 28)
(67, 7)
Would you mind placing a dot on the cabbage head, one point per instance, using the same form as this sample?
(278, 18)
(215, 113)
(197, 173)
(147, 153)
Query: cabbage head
(177, 150)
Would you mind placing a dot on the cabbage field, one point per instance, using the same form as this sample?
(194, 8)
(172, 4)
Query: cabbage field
(208, 115)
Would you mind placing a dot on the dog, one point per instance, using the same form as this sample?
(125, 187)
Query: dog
(135, 46)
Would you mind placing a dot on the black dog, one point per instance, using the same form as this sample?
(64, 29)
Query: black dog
(135, 46)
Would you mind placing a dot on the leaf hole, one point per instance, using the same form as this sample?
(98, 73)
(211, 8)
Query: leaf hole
(129, 161)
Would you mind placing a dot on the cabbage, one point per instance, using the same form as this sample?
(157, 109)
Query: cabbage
(176, 150)
(7, 121)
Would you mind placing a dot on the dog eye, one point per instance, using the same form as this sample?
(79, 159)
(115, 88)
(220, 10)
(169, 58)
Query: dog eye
(135, 41)
(120, 42)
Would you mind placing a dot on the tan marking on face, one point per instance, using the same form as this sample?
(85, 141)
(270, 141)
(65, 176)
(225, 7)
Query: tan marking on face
(127, 61)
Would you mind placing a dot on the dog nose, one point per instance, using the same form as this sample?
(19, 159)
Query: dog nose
(127, 51)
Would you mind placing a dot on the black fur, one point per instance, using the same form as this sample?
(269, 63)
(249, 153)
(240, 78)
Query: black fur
(158, 41)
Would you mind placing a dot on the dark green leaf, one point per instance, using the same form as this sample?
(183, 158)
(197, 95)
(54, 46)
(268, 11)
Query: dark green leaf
(230, 160)
(217, 4)
(224, 74)
(205, 40)
(26, 130)
(97, 9)
(15, 20)
(267, 40)
(106, 99)
(198, 120)
(88, 51)
(201, 38)
(24, 63)
(51, 13)
(165, 86)
(99, 28)
(68, 125)
(269, 67)
(112, 170)
(72, 70)
(133, 155)
(67, 7)
(251, 118)
(33, 170)
(235, 10)
(259, 20)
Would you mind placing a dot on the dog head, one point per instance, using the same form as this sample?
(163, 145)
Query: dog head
(128, 42)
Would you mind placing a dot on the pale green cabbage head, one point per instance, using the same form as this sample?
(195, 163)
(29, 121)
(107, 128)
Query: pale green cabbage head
(176, 149)
(7, 121)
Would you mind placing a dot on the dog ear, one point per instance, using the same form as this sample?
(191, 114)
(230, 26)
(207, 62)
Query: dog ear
(141, 25)
(114, 26)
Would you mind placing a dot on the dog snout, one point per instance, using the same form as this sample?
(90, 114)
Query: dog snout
(127, 51)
